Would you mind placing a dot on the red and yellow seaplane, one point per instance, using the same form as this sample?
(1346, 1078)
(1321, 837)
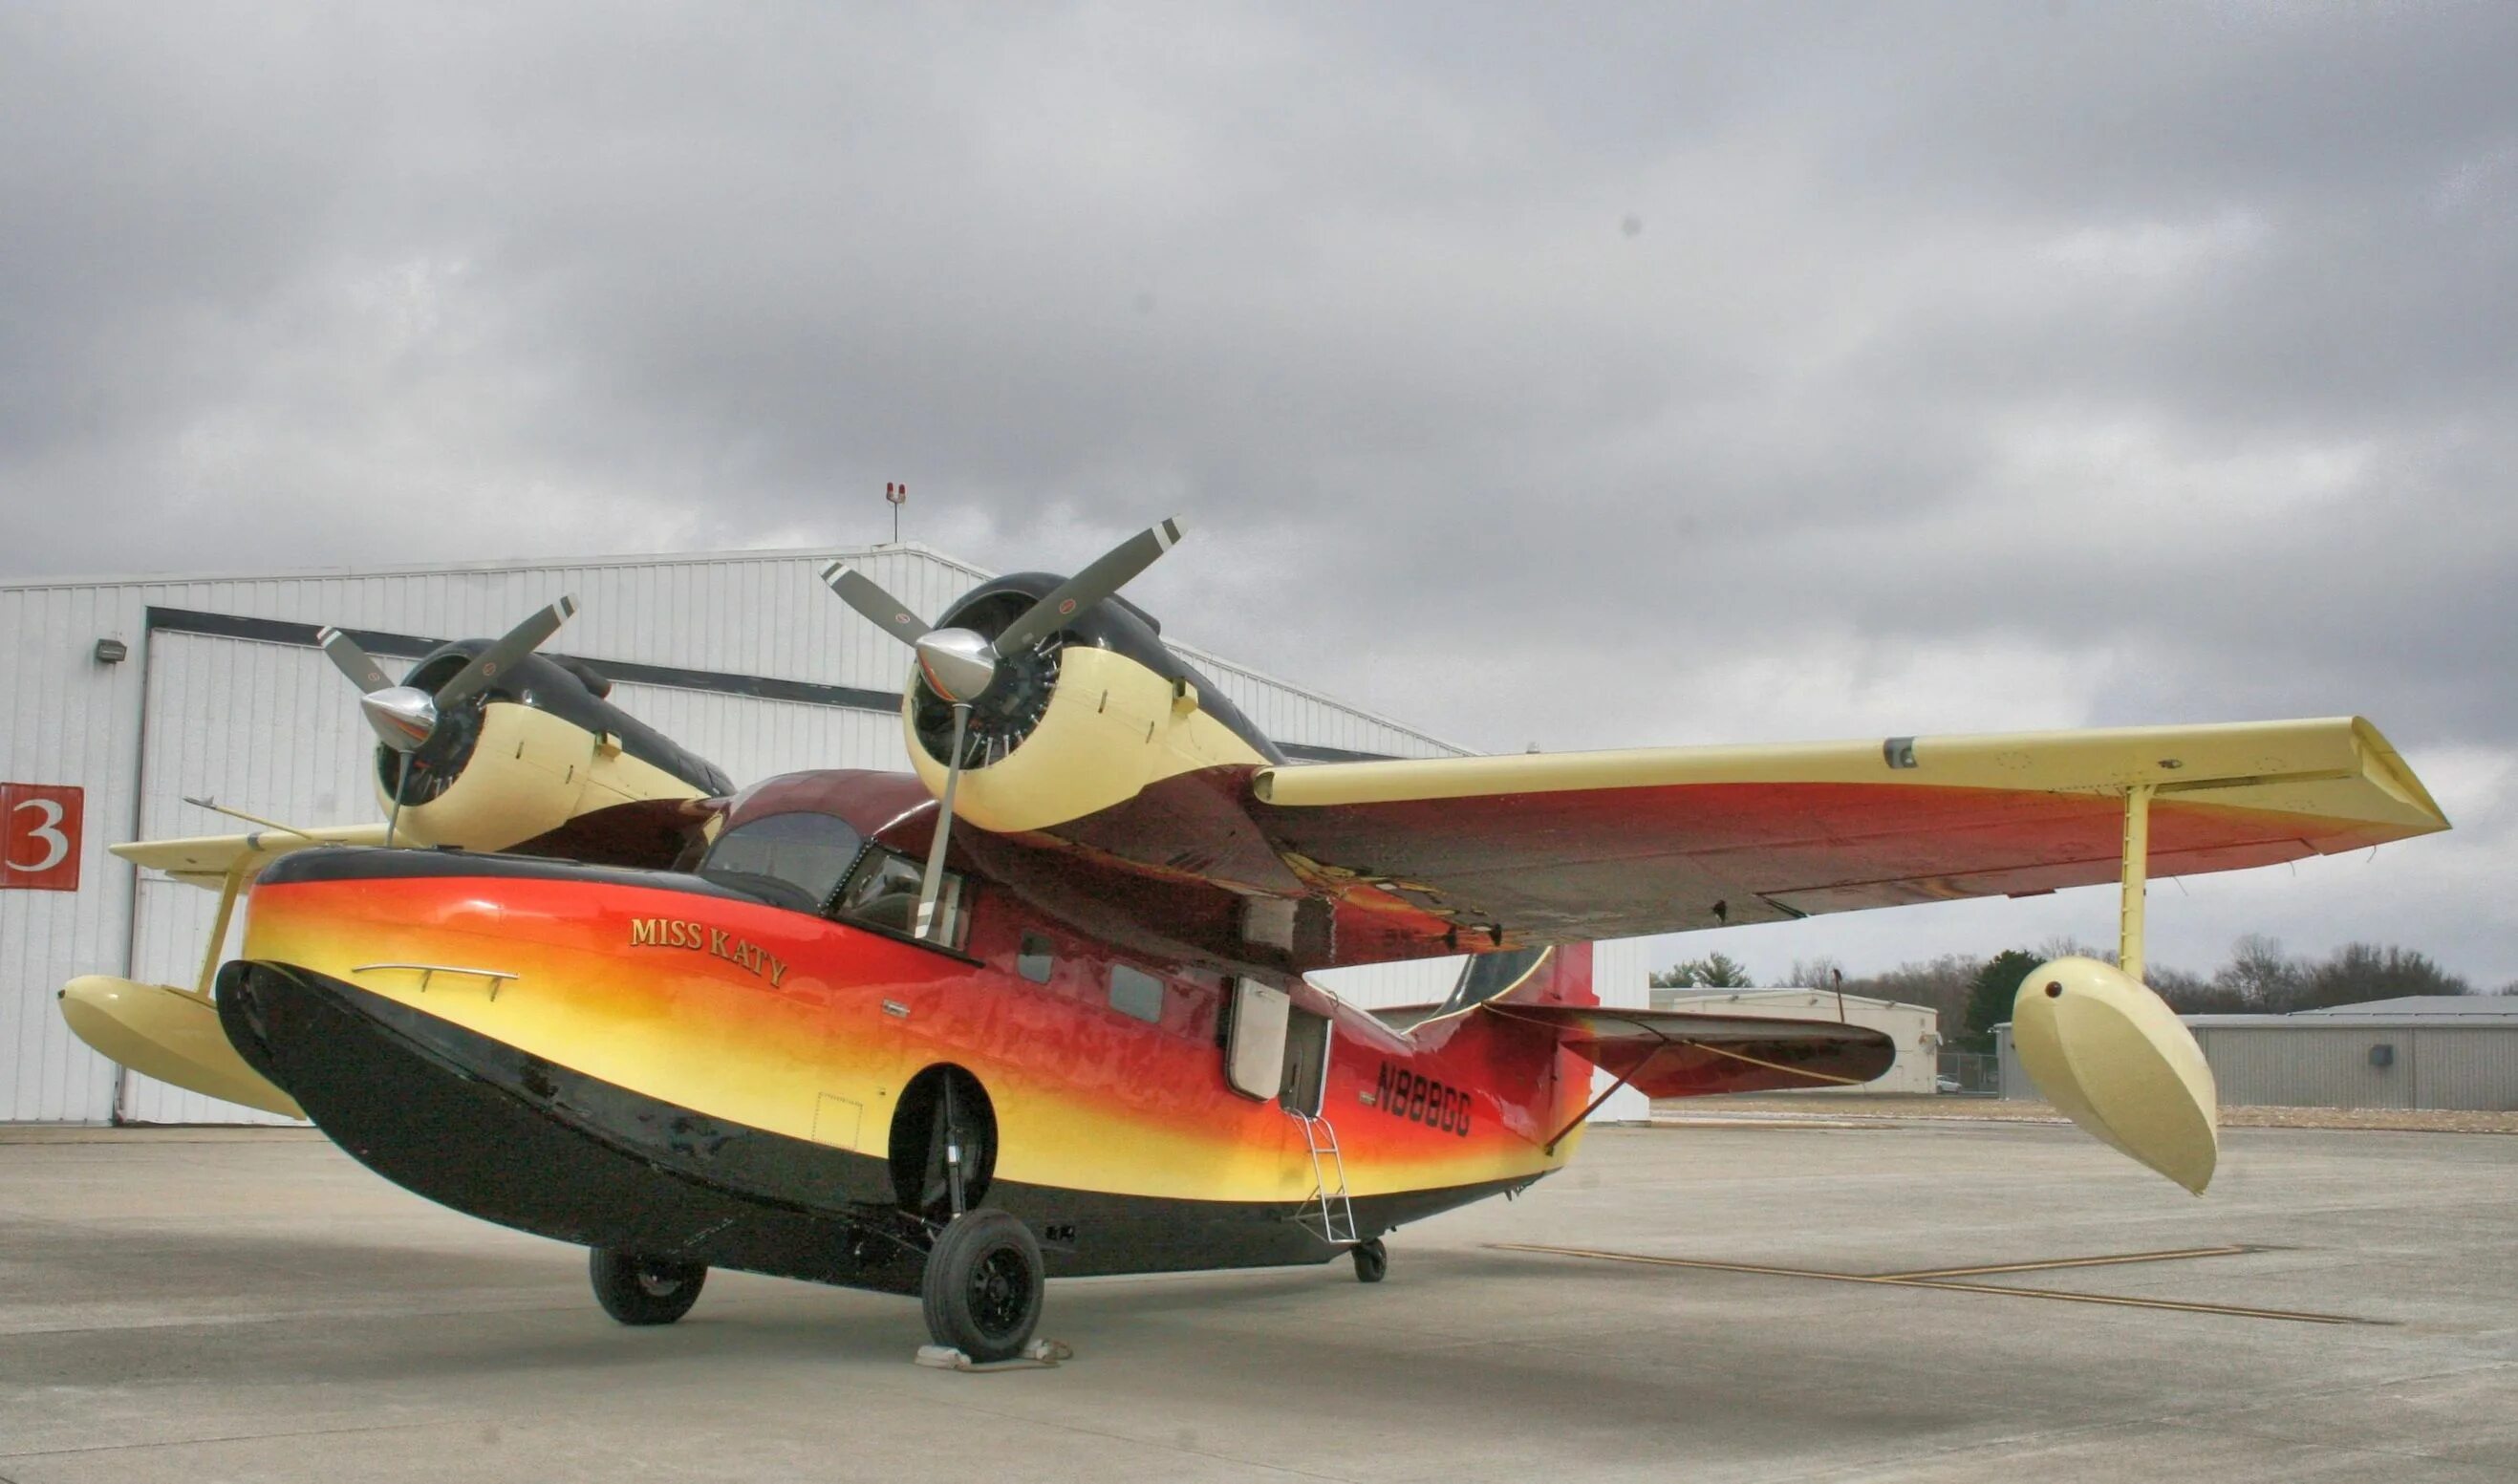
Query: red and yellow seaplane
(1039, 1007)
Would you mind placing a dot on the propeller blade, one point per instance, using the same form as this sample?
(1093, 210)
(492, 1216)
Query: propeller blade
(501, 656)
(1113, 570)
(860, 591)
(364, 673)
(930, 884)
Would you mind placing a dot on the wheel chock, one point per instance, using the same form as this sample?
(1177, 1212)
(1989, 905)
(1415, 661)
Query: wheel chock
(1039, 1355)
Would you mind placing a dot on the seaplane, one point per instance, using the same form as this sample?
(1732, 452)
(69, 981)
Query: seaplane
(1040, 1005)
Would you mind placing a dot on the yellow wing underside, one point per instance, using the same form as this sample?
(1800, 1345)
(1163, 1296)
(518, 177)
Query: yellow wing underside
(2337, 767)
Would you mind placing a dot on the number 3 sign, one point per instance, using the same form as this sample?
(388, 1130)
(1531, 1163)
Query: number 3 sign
(39, 837)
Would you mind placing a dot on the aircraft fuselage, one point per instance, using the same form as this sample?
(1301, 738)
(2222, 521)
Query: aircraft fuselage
(651, 1062)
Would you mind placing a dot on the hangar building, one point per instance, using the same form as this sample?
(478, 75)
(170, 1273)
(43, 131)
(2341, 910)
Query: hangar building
(118, 698)
(2440, 1051)
(1916, 1029)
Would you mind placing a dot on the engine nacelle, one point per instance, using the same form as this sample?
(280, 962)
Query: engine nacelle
(1120, 712)
(529, 774)
(1112, 726)
(539, 746)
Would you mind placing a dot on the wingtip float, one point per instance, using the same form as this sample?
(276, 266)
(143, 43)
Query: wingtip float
(171, 1034)
(2111, 1054)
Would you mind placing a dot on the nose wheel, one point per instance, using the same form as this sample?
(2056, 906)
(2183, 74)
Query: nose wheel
(982, 1285)
(1372, 1260)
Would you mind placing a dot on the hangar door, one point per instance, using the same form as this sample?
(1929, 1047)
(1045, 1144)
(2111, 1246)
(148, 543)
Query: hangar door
(272, 730)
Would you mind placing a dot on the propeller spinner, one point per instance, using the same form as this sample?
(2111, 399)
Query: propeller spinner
(959, 664)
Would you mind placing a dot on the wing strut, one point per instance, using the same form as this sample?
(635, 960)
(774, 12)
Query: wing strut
(229, 890)
(2137, 869)
(1558, 1137)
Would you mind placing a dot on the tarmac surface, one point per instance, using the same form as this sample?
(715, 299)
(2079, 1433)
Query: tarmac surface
(208, 1305)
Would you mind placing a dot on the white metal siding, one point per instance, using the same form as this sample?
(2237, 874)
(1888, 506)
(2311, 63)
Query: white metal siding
(753, 738)
(2293, 1065)
(64, 720)
(2303, 1063)
(273, 728)
(1622, 975)
(744, 613)
(2464, 1066)
(217, 707)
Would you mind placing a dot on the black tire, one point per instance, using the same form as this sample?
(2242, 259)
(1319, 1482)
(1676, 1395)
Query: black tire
(644, 1290)
(1372, 1260)
(982, 1285)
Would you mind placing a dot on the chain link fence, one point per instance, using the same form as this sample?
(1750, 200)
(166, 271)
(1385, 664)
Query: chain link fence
(1977, 1074)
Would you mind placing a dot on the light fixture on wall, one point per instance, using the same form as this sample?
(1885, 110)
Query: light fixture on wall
(112, 651)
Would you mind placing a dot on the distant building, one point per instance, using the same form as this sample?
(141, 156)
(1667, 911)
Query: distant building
(2438, 1050)
(1916, 1029)
(2425, 1007)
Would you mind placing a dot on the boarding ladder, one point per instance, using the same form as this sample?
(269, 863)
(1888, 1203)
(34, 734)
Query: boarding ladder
(1326, 1212)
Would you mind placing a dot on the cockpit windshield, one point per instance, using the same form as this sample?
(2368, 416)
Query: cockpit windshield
(788, 861)
(813, 862)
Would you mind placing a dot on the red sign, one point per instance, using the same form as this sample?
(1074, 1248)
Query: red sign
(39, 837)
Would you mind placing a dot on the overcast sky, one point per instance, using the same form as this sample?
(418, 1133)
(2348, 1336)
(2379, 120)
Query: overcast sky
(1578, 376)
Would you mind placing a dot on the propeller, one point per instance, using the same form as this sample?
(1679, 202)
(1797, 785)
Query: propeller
(405, 717)
(959, 664)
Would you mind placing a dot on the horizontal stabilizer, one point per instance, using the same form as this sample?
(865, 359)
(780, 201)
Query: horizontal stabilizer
(1679, 1053)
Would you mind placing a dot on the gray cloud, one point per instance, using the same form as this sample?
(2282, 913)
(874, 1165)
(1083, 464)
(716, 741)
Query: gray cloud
(1976, 365)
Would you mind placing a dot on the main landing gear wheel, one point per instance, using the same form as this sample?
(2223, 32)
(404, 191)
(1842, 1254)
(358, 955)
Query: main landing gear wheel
(982, 1285)
(1372, 1260)
(644, 1290)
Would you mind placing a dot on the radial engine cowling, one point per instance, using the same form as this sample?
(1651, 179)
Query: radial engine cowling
(538, 747)
(1076, 723)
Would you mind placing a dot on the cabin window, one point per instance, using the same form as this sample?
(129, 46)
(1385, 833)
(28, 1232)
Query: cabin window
(1135, 992)
(882, 892)
(787, 861)
(1037, 959)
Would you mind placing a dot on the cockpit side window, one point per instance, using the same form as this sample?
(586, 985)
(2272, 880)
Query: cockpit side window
(882, 892)
(794, 860)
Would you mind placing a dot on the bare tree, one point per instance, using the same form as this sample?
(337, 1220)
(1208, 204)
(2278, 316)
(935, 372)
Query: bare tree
(2260, 975)
(1820, 972)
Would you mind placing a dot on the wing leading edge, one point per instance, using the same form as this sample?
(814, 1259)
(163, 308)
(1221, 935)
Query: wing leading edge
(1512, 851)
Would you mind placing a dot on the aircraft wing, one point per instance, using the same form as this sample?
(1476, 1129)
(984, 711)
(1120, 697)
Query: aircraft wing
(1458, 852)
(203, 860)
(1682, 1054)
